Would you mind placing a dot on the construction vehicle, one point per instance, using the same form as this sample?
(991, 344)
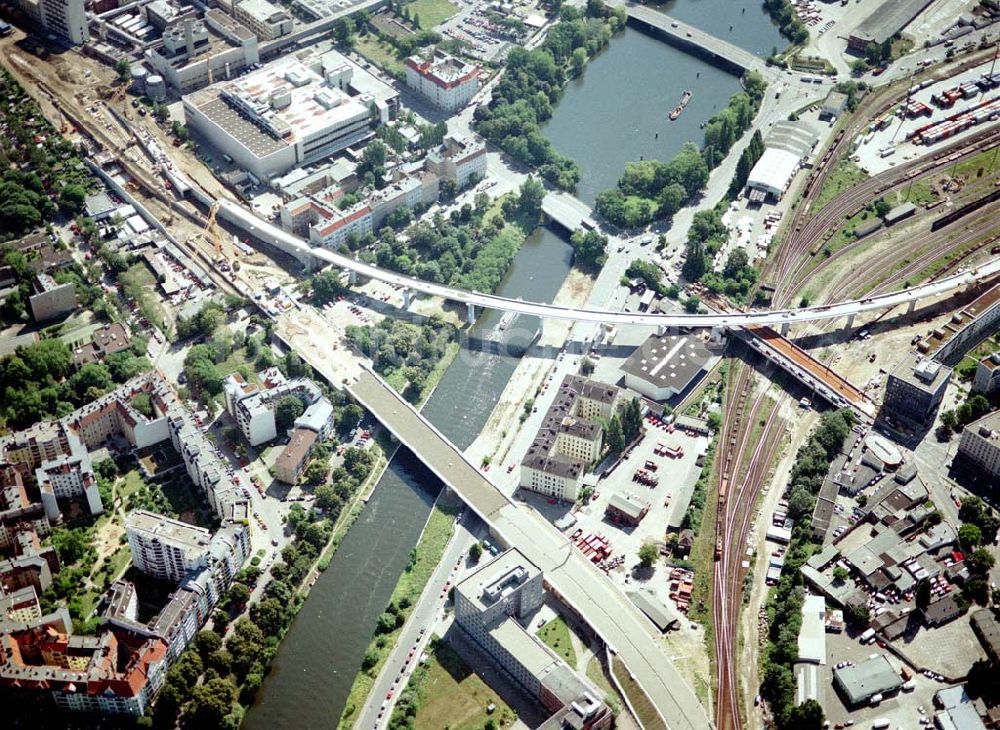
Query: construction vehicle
(213, 235)
(119, 95)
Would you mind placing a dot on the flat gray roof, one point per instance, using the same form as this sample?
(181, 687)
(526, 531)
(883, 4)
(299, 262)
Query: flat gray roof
(868, 678)
(500, 574)
(888, 19)
(668, 360)
(921, 372)
(238, 126)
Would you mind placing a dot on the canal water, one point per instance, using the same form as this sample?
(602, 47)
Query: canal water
(617, 110)
(316, 663)
(602, 122)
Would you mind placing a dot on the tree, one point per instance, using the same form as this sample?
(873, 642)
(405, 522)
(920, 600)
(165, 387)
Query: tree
(210, 703)
(857, 614)
(589, 248)
(373, 164)
(579, 60)
(980, 562)
(648, 553)
(206, 643)
(807, 716)
(970, 536)
(123, 69)
(269, 615)
(475, 552)
(343, 32)
(350, 416)
(613, 436)
(631, 420)
(288, 409)
(327, 498)
(529, 201)
(881, 207)
(327, 286)
(72, 197)
(840, 574)
(923, 597)
(238, 595)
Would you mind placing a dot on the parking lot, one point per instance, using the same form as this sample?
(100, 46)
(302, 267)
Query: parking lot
(490, 28)
(667, 498)
(902, 709)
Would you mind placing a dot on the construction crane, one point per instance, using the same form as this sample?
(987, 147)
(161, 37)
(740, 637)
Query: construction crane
(214, 236)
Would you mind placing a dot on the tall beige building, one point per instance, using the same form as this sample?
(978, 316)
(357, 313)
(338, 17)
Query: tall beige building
(66, 18)
(980, 443)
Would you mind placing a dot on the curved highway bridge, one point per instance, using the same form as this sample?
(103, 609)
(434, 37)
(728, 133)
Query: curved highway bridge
(295, 246)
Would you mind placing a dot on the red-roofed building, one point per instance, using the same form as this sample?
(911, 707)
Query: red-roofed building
(444, 80)
(356, 220)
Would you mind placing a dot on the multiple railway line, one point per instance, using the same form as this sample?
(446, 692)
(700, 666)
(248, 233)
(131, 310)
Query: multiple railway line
(744, 467)
(807, 240)
(739, 490)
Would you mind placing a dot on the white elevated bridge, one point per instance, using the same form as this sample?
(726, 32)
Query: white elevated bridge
(780, 318)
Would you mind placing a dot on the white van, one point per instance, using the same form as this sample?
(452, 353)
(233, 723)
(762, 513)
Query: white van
(880, 724)
(875, 701)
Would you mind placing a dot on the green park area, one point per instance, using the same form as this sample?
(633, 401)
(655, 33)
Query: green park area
(555, 634)
(430, 13)
(446, 693)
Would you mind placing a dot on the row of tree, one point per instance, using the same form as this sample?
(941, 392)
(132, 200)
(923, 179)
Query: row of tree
(532, 84)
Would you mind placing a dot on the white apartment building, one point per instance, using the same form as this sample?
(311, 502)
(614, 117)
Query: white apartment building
(339, 226)
(287, 114)
(459, 158)
(265, 19)
(68, 476)
(980, 443)
(509, 585)
(164, 548)
(66, 18)
(447, 82)
(253, 408)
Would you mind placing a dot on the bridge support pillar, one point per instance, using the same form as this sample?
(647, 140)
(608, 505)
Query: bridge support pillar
(407, 297)
(850, 320)
(352, 277)
(785, 327)
(911, 306)
(470, 313)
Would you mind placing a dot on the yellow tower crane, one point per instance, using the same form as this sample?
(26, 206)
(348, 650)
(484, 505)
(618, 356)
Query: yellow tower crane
(214, 236)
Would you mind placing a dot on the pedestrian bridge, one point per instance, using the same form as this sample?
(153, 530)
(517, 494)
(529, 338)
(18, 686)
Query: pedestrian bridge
(688, 38)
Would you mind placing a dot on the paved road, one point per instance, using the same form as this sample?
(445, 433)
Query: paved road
(417, 631)
(572, 577)
(689, 35)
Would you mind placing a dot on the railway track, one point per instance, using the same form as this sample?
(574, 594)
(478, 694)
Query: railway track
(828, 220)
(739, 487)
